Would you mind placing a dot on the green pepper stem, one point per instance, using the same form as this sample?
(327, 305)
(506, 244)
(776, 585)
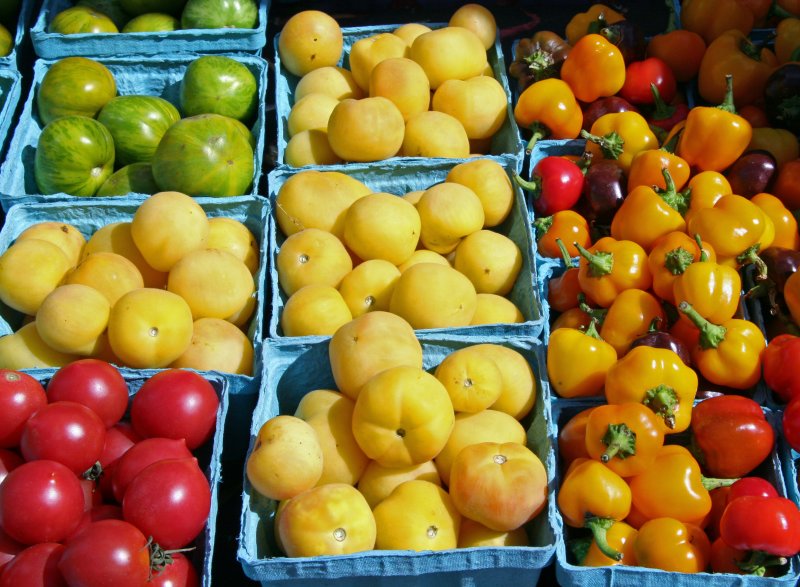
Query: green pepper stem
(611, 144)
(750, 256)
(599, 528)
(678, 260)
(579, 547)
(703, 253)
(539, 62)
(591, 330)
(711, 335)
(676, 200)
(599, 314)
(672, 144)
(710, 483)
(620, 440)
(597, 24)
(542, 225)
(778, 11)
(540, 131)
(750, 49)
(727, 104)
(533, 186)
(565, 254)
(655, 324)
(662, 110)
(663, 400)
(600, 263)
(757, 562)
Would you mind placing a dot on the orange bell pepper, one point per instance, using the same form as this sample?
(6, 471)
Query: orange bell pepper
(625, 437)
(647, 214)
(671, 545)
(611, 266)
(787, 184)
(565, 225)
(681, 49)
(733, 53)
(574, 318)
(787, 40)
(549, 109)
(728, 353)
(786, 233)
(563, 291)
(791, 294)
(711, 18)
(572, 437)
(781, 143)
(593, 496)
(620, 536)
(627, 318)
(713, 289)
(732, 226)
(647, 168)
(597, 17)
(619, 136)
(670, 257)
(714, 136)
(577, 362)
(657, 378)
(787, 8)
(706, 188)
(594, 68)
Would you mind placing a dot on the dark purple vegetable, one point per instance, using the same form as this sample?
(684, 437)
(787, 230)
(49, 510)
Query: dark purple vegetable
(752, 173)
(629, 39)
(601, 106)
(604, 190)
(781, 263)
(782, 97)
(664, 340)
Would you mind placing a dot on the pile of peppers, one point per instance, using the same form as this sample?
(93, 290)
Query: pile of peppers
(660, 223)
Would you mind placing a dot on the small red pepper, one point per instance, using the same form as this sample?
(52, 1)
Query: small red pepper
(768, 524)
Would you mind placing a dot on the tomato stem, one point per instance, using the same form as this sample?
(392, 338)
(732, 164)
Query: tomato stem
(599, 528)
(160, 558)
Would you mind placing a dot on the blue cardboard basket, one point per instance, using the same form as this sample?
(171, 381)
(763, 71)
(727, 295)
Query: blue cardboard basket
(153, 76)
(10, 91)
(571, 575)
(21, 35)
(290, 371)
(397, 179)
(54, 46)
(90, 216)
(505, 142)
(209, 457)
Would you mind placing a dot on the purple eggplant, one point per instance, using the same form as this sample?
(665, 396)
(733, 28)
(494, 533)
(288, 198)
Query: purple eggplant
(628, 38)
(664, 340)
(782, 97)
(752, 173)
(601, 106)
(604, 190)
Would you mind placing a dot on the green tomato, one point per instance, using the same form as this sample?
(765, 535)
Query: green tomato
(75, 155)
(110, 8)
(74, 85)
(152, 22)
(79, 20)
(208, 154)
(137, 7)
(6, 41)
(217, 14)
(137, 124)
(136, 178)
(215, 84)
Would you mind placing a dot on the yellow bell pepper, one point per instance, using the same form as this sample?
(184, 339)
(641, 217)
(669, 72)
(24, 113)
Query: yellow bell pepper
(787, 40)
(620, 536)
(786, 233)
(611, 266)
(671, 545)
(647, 168)
(671, 256)
(597, 17)
(619, 136)
(627, 318)
(577, 361)
(712, 289)
(594, 68)
(657, 378)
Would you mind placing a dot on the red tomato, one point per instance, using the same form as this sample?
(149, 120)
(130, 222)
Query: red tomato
(67, 432)
(556, 184)
(791, 422)
(176, 403)
(35, 566)
(640, 74)
(104, 511)
(179, 573)
(141, 455)
(9, 548)
(40, 501)
(170, 501)
(20, 396)
(94, 383)
(9, 460)
(108, 552)
(119, 438)
(91, 494)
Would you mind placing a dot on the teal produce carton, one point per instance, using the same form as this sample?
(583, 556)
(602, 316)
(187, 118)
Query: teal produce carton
(291, 371)
(10, 91)
(91, 216)
(398, 179)
(19, 29)
(505, 142)
(49, 45)
(151, 76)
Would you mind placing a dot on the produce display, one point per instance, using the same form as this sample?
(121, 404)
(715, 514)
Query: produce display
(483, 300)
(87, 497)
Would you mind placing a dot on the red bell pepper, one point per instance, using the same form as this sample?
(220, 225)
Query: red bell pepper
(731, 435)
(782, 352)
(767, 524)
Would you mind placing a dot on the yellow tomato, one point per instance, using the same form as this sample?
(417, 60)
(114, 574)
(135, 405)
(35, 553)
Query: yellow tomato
(310, 39)
(449, 53)
(370, 129)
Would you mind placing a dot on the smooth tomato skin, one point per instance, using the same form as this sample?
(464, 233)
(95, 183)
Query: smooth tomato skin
(791, 423)
(119, 438)
(67, 432)
(20, 396)
(108, 552)
(640, 74)
(176, 403)
(140, 456)
(9, 460)
(40, 501)
(170, 501)
(9, 548)
(179, 573)
(103, 511)
(35, 566)
(94, 383)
